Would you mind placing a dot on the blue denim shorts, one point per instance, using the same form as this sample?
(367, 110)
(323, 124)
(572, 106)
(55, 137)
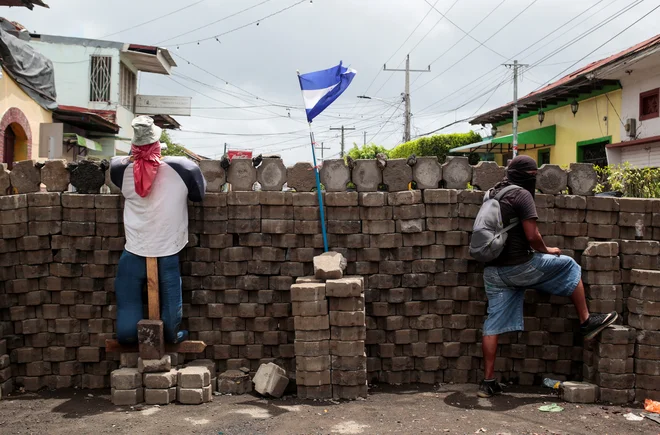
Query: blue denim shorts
(505, 288)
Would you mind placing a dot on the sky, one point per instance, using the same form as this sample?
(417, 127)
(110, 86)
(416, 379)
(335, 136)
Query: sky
(238, 60)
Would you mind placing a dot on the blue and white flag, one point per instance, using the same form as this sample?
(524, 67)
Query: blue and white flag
(321, 88)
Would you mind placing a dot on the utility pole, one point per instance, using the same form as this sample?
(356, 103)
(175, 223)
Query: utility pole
(365, 138)
(406, 94)
(322, 148)
(342, 128)
(225, 153)
(515, 65)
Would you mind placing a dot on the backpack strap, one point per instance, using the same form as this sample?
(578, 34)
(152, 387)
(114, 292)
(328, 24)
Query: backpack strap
(506, 190)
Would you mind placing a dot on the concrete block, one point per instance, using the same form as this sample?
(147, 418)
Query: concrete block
(329, 265)
(272, 174)
(582, 179)
(127, 397)
(307, 292)
(315, 323)
(55, 176)
(126, 379)
(88, 176)
(645, 277)
(151, 339)
(551, 179)
(214, 174)
(161, 380)
(349, 392)
(313, 379)
(128, 359)
(427, 173)
(208, 363)
(234, 382)
(159, 396)
(241, 175)
(301, 177)
(397, 175)
(190, 396)
(366, 175)
(345, 287)
(5, 179)
(487, 174)
(270, 380)
(323, 392)
(601, 249)
(456, 173)
(25, 177)
(193, 377)
(335, 175)
(155, 365)
(578, 392)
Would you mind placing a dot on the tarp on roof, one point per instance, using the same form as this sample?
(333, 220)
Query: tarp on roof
(32, 70)
(543, 136)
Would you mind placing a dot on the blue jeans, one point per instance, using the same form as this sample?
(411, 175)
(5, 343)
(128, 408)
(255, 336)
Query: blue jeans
(505, 288)
(130, 281)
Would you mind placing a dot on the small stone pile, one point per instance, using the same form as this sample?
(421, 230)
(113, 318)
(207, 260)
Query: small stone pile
(330, 332)
(155, 382)
(644, 314)
(602, 277)
(609, 364)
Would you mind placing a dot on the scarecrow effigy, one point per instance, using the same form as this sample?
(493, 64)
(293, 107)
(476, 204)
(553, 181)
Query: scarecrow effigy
(156, 191)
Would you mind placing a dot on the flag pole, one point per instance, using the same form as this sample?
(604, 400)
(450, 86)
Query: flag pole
(318, 182)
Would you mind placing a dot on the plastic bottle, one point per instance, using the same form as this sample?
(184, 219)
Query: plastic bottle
(551, 383)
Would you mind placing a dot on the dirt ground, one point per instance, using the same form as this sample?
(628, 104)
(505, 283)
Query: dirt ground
(449, 409)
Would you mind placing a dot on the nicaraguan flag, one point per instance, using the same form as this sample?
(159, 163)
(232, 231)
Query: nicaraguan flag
(321, 88)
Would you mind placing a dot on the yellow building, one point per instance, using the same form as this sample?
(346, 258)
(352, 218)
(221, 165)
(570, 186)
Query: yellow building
(20, 120)
(571, 120)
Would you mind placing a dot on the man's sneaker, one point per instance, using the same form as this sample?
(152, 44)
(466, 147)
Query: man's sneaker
(489, 388)
(596, 323)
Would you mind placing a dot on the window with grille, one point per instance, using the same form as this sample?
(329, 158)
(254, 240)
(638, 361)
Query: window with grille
(99, 82)
(127, 87)
(649, 104)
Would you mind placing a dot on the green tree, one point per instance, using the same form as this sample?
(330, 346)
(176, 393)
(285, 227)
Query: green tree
(438, 145)
(173, 149)
(366, 152)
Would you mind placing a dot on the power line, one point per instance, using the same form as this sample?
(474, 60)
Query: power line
(135, 26)
(467, 33)
(257, 22)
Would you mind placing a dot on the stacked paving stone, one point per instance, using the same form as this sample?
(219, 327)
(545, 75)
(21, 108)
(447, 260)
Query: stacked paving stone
(423, 294)
(194, 385)
(644, 314)
(6, 379)
(602, 277)
(347, 337)
(126, 387)
(236, 278)
(312, 346)
(609, 363)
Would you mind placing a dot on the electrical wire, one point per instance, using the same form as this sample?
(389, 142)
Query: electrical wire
(219, 35)
(135, 26)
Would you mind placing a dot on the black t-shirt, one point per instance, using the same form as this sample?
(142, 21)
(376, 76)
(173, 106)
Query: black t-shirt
(520, 204)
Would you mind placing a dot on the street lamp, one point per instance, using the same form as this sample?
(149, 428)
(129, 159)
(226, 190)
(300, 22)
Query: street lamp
(541, 116)
(574, 107)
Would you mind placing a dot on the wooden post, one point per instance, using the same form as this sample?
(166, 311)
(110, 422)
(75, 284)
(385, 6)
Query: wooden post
(152, 288)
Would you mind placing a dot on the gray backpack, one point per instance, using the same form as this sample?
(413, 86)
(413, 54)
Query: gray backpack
(489, 234)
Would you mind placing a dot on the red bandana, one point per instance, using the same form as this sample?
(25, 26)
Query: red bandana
(146, 160)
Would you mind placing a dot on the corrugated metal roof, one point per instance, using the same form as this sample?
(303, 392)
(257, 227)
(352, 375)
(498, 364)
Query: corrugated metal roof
(571, 79)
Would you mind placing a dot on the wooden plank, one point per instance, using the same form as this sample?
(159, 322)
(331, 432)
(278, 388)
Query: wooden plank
(189, 346)
(152, 288)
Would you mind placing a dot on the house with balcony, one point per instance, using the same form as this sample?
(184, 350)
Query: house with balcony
(603, 113)
(96, 84)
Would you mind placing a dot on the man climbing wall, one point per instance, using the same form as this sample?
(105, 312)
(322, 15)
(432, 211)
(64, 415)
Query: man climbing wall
(156, 191)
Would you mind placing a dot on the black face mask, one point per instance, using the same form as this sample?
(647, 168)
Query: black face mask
(522, 179)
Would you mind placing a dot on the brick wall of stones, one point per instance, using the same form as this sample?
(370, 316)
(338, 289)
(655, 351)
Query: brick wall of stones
(425, 302)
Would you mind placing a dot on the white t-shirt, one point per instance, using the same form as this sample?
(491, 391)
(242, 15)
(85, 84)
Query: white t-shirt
(157, 225)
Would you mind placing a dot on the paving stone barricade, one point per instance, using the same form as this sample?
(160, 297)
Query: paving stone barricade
(424, 300)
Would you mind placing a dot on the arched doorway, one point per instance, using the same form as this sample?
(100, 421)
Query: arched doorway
(16, 137)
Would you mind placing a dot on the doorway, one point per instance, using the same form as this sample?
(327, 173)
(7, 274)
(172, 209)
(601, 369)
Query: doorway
(9, 144)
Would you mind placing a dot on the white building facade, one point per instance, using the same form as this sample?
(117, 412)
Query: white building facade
(101, 77)
(640, 113)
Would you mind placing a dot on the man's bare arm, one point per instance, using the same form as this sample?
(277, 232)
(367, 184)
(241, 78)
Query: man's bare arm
(535, 239)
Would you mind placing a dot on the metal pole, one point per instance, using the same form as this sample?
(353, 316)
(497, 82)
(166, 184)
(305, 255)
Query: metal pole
(225, 153)
(365, 138)
(515, 108)
(342, 142)
(322, 159)
(406, 135)
(318, 190)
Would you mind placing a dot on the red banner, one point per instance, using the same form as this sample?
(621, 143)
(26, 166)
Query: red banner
(239, 155)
